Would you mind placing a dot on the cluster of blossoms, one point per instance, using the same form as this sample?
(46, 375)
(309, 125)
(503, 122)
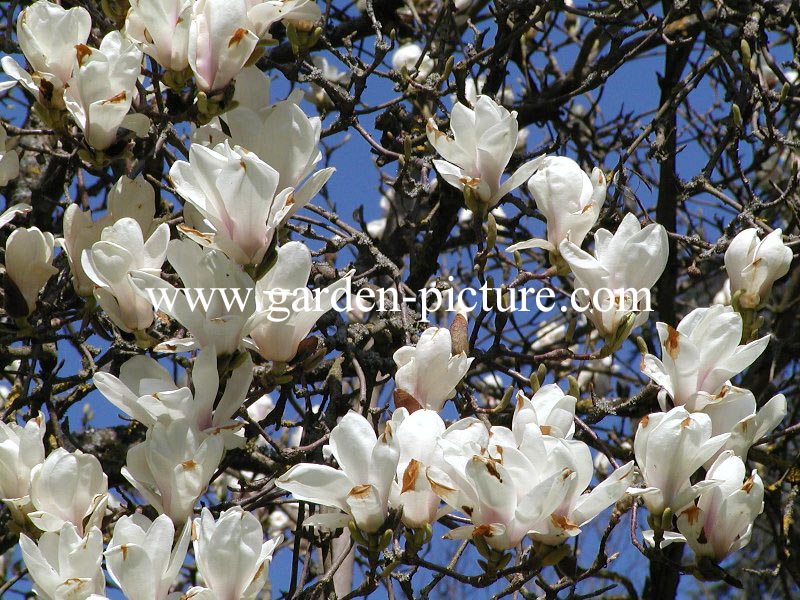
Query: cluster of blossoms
(532, 479)
(496, 485)
(210, 41)
(239, 191)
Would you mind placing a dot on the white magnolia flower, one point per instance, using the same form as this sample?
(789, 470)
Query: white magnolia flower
(110, 264)
(303, 14)
(417, 437)
(220, 42)
(48, 34)
(68, 487)
(12, 211)
(278, 521)
(595, 376)
(360, 487)
(238, 197)
(407, 56)
(428, 371)
(29, 264)
(628, 262)
(134, 198)
(568, 198)
(231, 553)
(282, 136)
(478, 153)
(102, 89)
(145, 391)
(723, 296)
(9, 158)
(141, 558)
(286, 311)
(316, 94)
(473, 87)
(539, 453)
(753, 265)
(736, 413)
(219, 317)
(161, 27)
(549, 409)
(505, 494)
(21, 449)
(722, 519)
(259, 409)
(700, 356)
(63, 564)
(669, 448)
(251, 94)
(579, 506)
(171, 469)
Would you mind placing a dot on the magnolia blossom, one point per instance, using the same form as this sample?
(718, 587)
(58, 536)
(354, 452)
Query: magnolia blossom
(723, 296)
(669, 448)
(753, 265)
(68, 487)
(303, 14)
(700, 356)
(722, 519)
(12, 211)
(48, 34)
(361, 486)
(110, 264)
(476, 156)
(628, 262)
(473, 87)
(287, 140)
(281, 135)
(134, 198)
(736, 413)
(251, 94)
(578, 506)
(317, 95)
(238, 197)
(141, 558)
(286, 310)
(21, 450)
(102, 90)
(171, 469)
(65, 564)
(231, 553)
(568, 198)
(29, 258)
(504, 493)
(541, 458)
(161, 27)
(9, 158)
(429, 372)
(145, 391)
(218, 319)
(407, 56)
(549, 409)
(417, 437)
(220, 42)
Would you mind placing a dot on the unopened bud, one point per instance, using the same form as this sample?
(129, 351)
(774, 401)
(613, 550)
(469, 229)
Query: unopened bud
(784, 93)
(459, 334)
(491, 232)
(744, 49)
(736, 115)
(574, 389)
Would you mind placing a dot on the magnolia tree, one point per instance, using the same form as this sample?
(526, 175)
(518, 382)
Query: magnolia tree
(399, 298)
